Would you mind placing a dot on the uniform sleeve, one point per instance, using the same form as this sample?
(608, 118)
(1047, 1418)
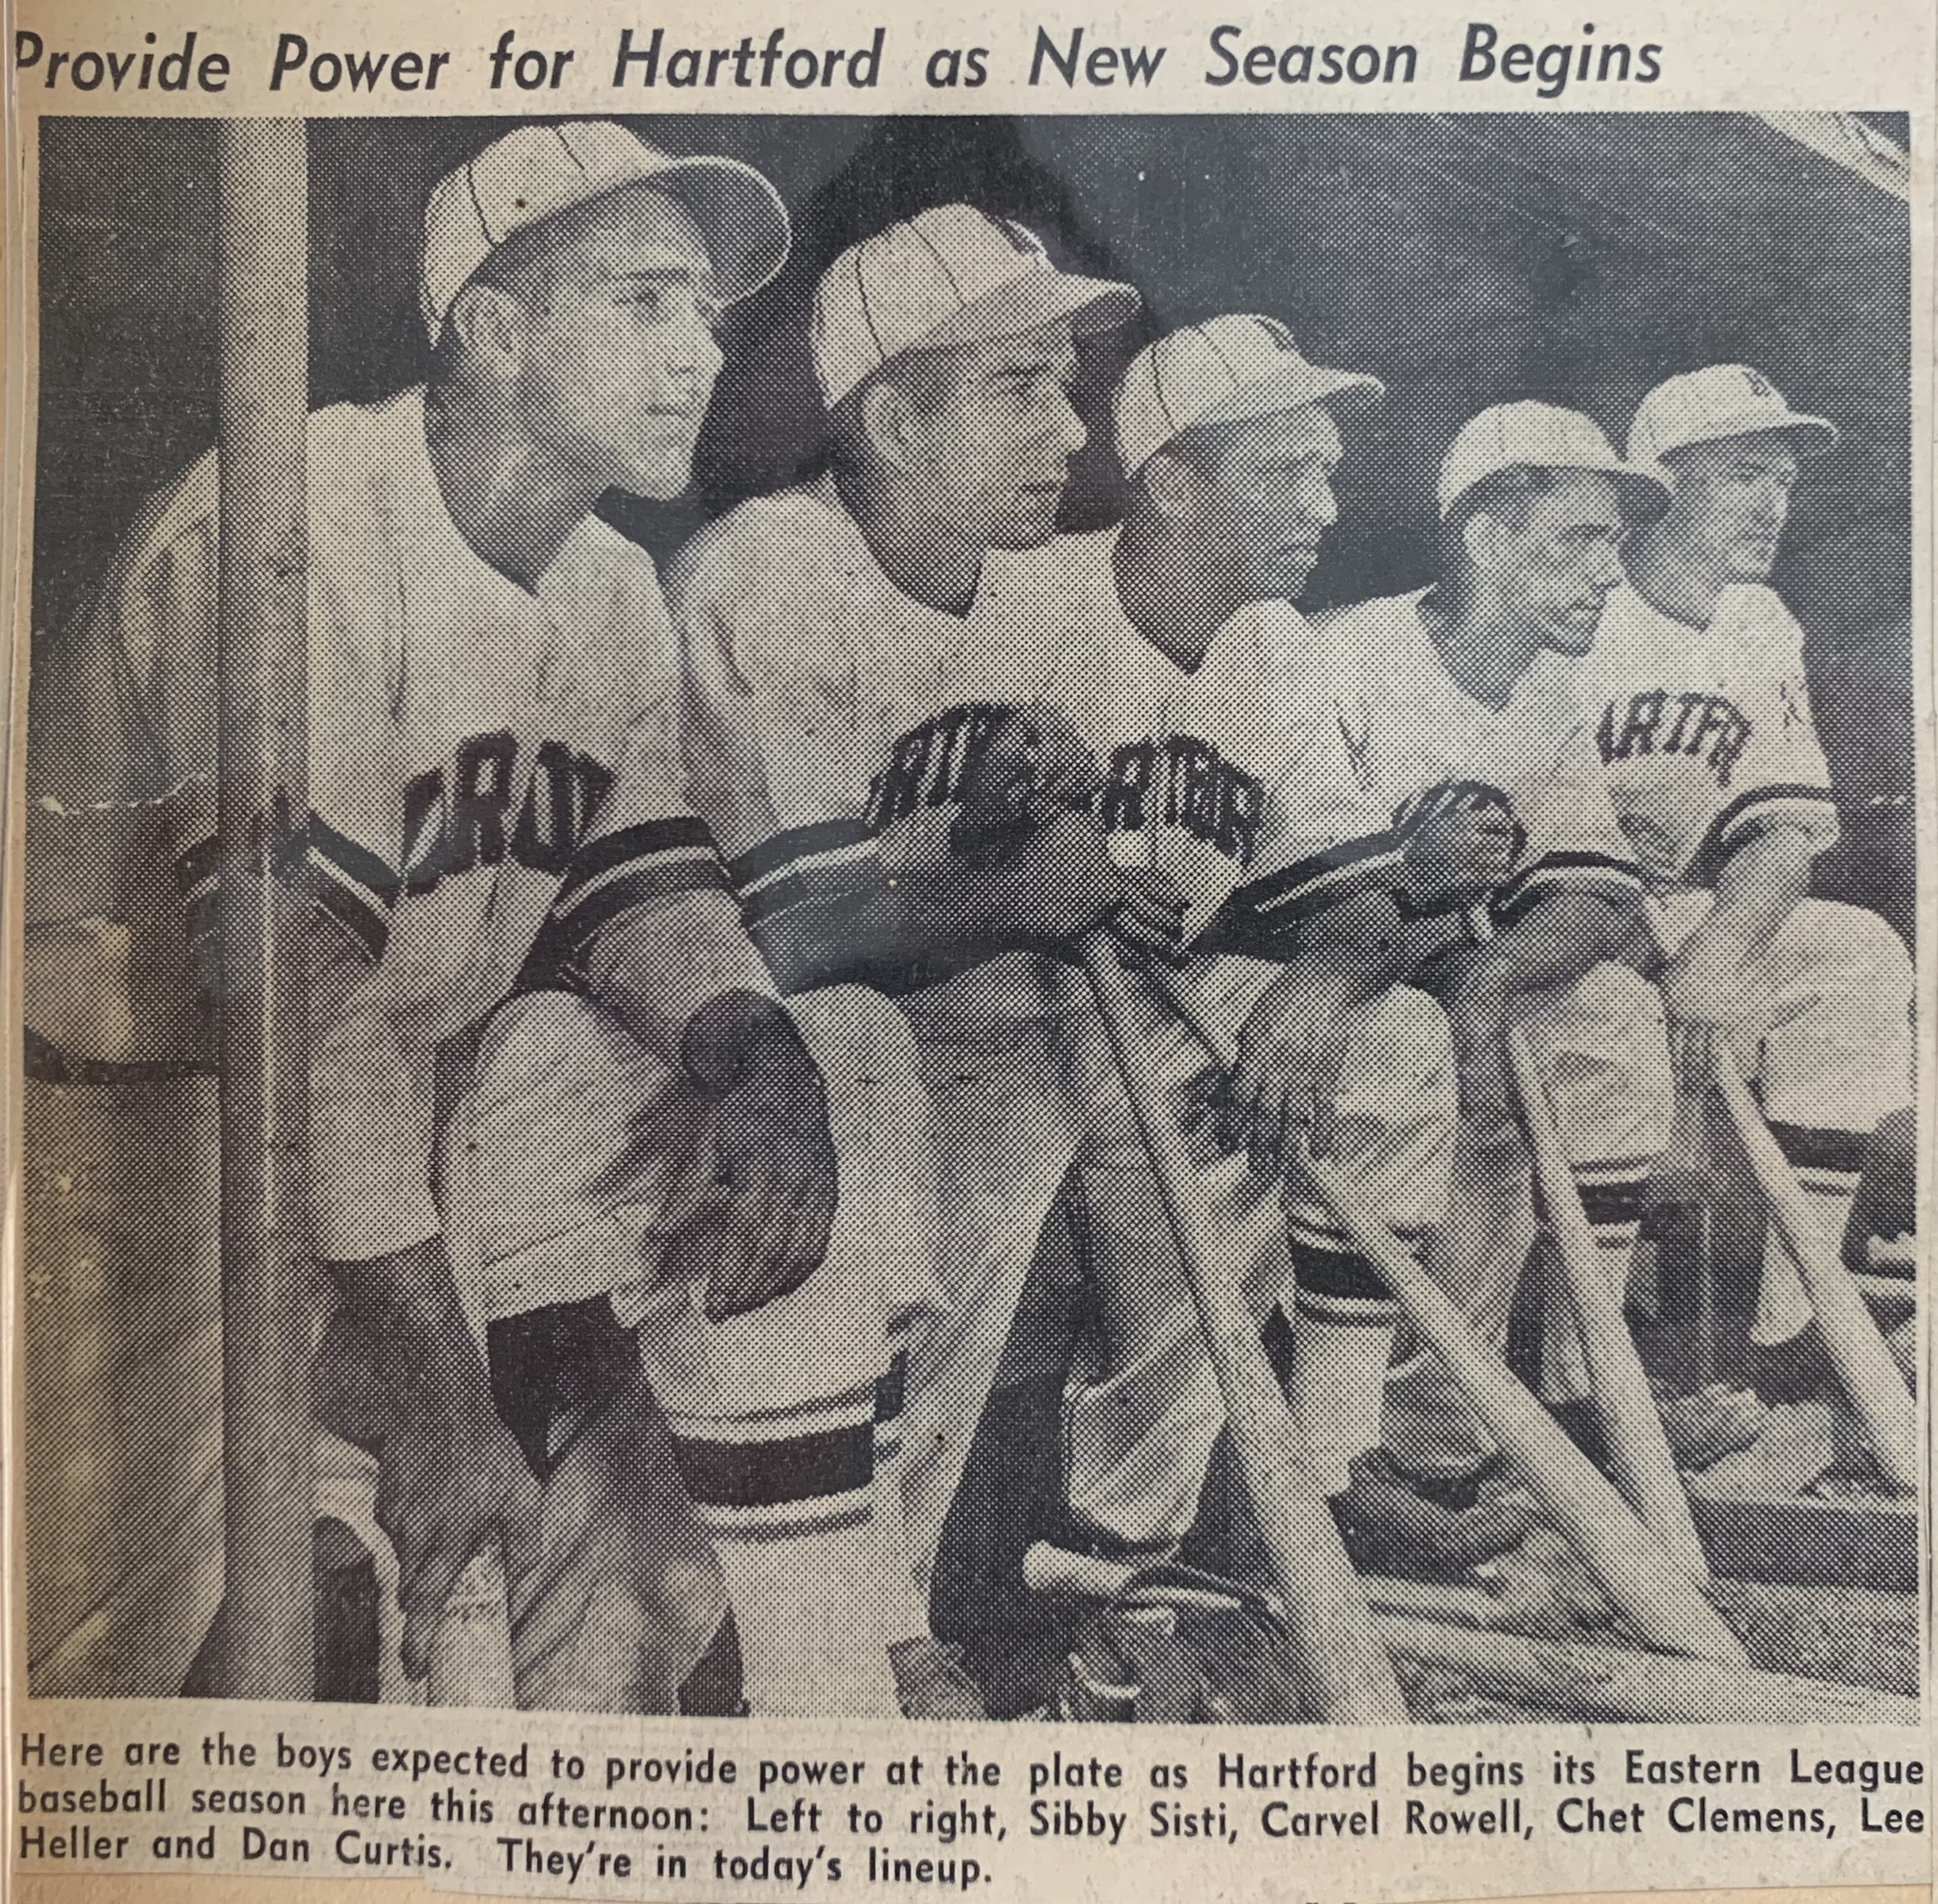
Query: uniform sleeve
(1575, 844)
(378, 1011)
(770, 725)
(1768, 760)
(646, 911)
(1324, 837)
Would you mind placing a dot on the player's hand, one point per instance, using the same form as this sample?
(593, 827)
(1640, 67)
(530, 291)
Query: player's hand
(1457, 858)
(401, 1375)
(1034, 764)
(1062, 883)
(1069, 772)
(1289, 1055)
(764, 1176)
(1475, 998)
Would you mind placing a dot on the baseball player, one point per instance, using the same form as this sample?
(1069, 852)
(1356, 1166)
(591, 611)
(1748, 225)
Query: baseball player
(850, 661)
(1696, 689)
(553, 1090)
(1457, 696)
(1178, 656)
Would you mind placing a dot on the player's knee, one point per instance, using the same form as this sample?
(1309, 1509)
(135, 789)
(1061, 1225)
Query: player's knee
(1872, 960)
(1627, 1043)
(535, 1031)
(856, 1031)
(1620, 1004)
(1416, 1035)
(1401, 1069)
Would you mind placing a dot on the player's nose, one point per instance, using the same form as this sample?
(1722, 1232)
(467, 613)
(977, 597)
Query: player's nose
(1071, 433)
(1319, 503)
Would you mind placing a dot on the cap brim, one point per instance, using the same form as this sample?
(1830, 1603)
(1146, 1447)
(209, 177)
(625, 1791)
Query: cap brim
(1640, 487)
(1292, 387)
(1811, 435)
(1029, 301)
(740, 216)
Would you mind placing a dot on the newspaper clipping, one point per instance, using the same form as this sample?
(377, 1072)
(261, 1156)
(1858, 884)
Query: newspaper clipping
(968, 954)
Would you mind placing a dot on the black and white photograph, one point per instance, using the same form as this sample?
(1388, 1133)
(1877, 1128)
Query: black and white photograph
(1060, 919)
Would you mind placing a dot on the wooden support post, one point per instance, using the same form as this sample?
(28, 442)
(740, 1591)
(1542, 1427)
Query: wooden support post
(268, 1446)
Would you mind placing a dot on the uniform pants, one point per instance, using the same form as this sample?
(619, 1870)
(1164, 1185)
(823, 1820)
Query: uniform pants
(1822, 1025)
(557, 1163)
(1602, 1054)
(1014, 1113)
(1141, 1416)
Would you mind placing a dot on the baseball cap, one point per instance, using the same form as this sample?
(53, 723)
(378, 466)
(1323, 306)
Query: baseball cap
(1725, 400)
(1541, 436)
(950, 275)
(1223, 371)
(538, 171)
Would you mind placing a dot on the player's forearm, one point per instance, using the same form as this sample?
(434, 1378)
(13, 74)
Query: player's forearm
(897, 936)
(662, 970)
(1762, 882)
(1364, 935)
(1558, 939)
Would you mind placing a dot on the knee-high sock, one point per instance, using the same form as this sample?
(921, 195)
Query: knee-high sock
(1341, 1340)
(1612, 1196)
(1827, 1163)
(790, 1498)
(904, 1598)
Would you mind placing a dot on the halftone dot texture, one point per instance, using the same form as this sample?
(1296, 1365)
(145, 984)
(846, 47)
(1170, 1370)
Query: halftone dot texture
(1463, 261)
(949, 276)
(1723, 400)
(538, 171)
(1225, 370)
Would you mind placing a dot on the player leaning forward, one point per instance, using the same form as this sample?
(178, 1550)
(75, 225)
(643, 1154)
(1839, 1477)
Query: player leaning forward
(1702, 713)
(498, 810)
(1179, 659)
(1460, 695)
(850, 666)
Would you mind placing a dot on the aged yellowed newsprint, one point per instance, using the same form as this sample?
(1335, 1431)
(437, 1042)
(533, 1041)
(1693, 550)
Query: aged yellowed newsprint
(967, 953)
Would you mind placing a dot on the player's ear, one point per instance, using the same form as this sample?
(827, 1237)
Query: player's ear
(487, 324)
(1166, 481)
(1481, 535)
(886, 422)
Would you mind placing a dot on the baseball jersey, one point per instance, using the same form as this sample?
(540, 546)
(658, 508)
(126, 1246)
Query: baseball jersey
(495, 789)
(1230, 776)
(832, 722)
(1417, 743)
(1706, 732)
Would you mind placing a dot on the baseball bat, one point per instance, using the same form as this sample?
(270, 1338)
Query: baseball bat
(1658, 1598)
(1631, 1424)
(1345, 1675)
(1868, 1371)
(1662, 1602)
(1582, 1679)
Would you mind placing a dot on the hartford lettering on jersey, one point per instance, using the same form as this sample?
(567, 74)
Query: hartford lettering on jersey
(460, 814)
(1185, 782)
(1179, 782)
(1659, 720)
(933, 765)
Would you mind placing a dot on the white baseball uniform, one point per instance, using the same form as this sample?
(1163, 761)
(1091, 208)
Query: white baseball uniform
(832, 721)
(1234, 779)
(832, 725)
(499, 811)
(1708, 737)
(1418, 742)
